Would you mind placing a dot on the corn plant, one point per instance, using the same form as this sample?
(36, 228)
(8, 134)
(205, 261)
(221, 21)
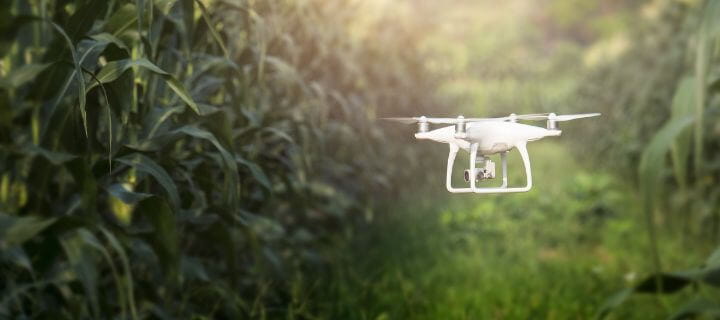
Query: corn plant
(684, 139)
(173, 158)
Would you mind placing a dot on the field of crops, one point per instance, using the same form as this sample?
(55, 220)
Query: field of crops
(225, 159)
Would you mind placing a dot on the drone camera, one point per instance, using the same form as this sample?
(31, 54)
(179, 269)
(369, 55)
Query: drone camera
(484, 173)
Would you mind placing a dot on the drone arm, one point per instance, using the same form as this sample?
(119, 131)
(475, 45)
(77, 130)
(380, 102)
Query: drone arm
(451, 161)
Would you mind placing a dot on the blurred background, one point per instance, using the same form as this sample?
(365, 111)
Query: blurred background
(223, 159)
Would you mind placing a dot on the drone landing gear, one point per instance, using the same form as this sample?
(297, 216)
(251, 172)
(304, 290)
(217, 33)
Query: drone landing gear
(488, 171)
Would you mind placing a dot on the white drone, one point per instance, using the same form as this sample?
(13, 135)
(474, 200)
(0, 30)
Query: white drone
(489, 136)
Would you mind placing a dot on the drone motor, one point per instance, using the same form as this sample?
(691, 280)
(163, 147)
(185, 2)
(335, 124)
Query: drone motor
(460, 128)
(423, 125)
(552, 122)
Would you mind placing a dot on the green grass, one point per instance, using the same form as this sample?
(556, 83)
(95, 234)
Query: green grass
(557, 252)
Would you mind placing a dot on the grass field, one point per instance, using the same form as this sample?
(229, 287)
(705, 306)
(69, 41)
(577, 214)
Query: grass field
(557, 252)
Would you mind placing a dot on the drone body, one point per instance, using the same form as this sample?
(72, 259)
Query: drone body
(487, 136)
(492, 137)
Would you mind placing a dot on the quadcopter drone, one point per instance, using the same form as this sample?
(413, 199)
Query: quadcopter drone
(483, 137)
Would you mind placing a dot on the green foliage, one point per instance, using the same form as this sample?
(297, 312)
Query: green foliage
(635, 90)
(220, 159)
(16, 230)
(165, 159)
(497, 258)
(693, 107)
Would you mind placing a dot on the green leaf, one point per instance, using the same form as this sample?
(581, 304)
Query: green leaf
(83, 265)
(697, 307)
(256, 172)
(22, 75)
(120, 97)
(86, 180)
(16, 230)
(92, 51)
(207, 109)
(652, 162)
(188, 19)
(682, 106)
(141, 25)
(78, 74)
(231, 171)
(147, 165)
(714, 259)
(123, 18)
(109, 38)
(667, 282)
(711, 276)
(125, 195)
(285, 72)
(126, 266)
(55, 157)
(180, 90)
(114, 69)
(279, 133)
(706, 38)
(82, 20)
(165, 234)
(710, 24)
(192, 269)
(93, 242)
(17, 256)
(215, 34)
(650, 174)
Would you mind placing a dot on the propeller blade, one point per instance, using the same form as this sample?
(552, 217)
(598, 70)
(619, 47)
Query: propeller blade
(464, 120)
(568, 117)
(532, 116)
(402, 120)
(486, 119)
(550, 116)
(441, 120)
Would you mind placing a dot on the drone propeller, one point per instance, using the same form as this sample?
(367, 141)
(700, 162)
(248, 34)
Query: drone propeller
(457, 120)
(461, 119)
(554, 117)
(568, 117)
(403, 120)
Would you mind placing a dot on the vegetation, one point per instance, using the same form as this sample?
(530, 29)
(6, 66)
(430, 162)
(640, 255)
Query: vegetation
(222, 159)
(170, 158)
